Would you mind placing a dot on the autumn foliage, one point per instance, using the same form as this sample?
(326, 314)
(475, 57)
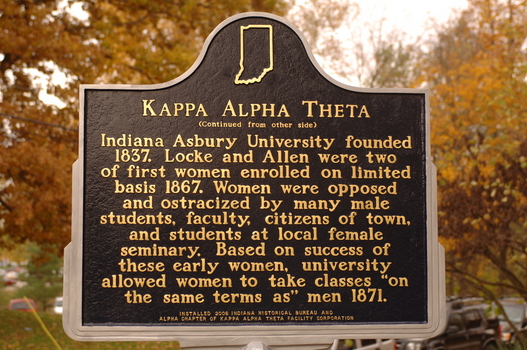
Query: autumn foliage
(476, 69)
(475, 66)
(132, 42)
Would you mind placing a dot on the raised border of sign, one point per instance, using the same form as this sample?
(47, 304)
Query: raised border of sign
(207, 337)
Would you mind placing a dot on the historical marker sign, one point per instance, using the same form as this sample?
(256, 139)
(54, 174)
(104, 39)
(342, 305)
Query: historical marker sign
(253, 198)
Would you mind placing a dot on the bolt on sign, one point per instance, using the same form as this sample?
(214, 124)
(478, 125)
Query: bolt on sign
(254, 198)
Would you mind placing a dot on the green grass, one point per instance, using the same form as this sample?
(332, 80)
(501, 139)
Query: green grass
(21, 331)
(5, 296)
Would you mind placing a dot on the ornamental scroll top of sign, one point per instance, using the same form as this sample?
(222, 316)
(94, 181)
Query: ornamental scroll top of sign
(253, 198)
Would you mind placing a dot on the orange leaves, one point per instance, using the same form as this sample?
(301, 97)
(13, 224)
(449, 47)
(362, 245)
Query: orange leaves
(477, 71)
(155, 41)
(477, 100)
(40, 192)
(129, 42)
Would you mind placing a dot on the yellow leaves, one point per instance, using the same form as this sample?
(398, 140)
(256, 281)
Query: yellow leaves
(476, 91)
(448, 243)
(155, 41)
(477, 75)
(480, 223)
(523, 162)
(137, 41)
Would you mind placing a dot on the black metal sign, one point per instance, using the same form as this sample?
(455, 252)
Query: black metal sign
(253, 191)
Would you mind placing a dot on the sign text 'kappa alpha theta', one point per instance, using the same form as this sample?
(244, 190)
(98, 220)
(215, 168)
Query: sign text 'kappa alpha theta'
(253, 198)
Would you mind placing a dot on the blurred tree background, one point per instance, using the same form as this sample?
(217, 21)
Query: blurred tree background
(475, 66)
(476, 69)
(43, 279)
(131, 42)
